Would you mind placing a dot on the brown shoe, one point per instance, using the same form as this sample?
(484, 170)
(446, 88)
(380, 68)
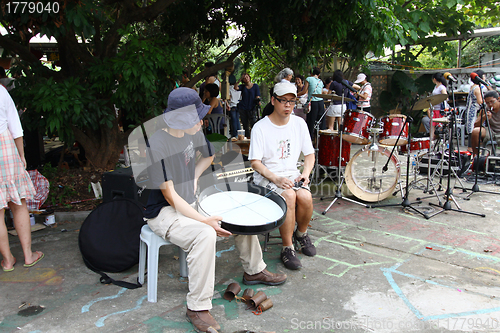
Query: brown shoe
(264, 277)
(202, 321)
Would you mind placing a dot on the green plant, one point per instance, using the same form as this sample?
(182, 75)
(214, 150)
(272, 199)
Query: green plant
(48, 171)
(402, 94)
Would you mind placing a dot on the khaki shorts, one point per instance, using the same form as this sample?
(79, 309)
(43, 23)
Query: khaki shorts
(273, 187)
(487, 137)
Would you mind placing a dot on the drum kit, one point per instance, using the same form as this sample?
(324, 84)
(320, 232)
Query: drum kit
(363, 172)
(373, 172)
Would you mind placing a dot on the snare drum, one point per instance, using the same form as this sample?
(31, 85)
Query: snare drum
(417, 146)
(356, 126)
(391, 126)
(246, 209)
(329, 144)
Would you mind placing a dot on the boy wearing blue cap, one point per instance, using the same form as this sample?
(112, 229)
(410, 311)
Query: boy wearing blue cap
(171, 212)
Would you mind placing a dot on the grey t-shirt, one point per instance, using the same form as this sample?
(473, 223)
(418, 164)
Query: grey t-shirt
(174, 159)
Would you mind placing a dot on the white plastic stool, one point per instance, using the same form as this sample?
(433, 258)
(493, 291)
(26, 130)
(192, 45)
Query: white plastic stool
(154, 242)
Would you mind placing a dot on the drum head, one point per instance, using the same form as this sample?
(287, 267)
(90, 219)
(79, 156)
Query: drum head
(328, 132)
(364, 176)
(246, 209)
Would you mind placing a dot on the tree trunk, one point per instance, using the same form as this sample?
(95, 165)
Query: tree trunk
(102, 147)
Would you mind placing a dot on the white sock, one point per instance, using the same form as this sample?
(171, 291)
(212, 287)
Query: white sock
(290, 247)
(300, 234)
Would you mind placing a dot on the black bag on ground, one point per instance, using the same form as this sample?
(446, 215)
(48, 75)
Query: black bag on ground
(109, 239)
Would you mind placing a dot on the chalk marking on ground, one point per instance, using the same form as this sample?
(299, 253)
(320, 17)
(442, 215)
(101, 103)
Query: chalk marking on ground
(86, 307)
(388, 273)
(100, 322)
(219, 253)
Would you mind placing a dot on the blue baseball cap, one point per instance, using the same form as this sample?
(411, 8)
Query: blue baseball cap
(184, 109)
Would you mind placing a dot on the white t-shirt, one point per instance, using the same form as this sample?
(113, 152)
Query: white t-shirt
(366, 88)
(279, 147)
(9, 118)
(235, 96)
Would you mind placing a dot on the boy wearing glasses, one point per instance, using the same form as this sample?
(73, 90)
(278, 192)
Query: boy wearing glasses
(275, 147)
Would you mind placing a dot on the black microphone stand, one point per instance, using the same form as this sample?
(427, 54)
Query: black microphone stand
(449, 193)
(406, 202)
(475, 187)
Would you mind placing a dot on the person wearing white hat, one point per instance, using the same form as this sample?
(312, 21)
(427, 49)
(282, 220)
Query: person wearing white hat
(275, 147)
(365, 92)
(174, 170)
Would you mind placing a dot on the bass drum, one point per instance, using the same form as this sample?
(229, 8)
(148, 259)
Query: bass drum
(364, 176)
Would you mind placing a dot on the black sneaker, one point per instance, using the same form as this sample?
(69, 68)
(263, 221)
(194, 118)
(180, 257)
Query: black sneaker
(305, 243)
(290, 259)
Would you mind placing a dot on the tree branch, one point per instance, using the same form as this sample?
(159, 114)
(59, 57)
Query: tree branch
(216, 67)
(268, 56)
(23, 51)
(128, 14)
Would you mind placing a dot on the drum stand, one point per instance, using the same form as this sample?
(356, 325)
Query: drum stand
(432, 152)
(449, 194)
(406, 202)
(340, 174)
(440, 165)
(317, 166)
(419, 181)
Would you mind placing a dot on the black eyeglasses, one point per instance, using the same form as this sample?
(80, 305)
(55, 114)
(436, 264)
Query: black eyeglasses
(284, 101)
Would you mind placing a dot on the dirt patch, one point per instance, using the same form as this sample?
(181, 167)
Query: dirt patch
(71, 190)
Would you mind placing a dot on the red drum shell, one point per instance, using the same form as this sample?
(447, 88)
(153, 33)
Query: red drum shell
(391, 126)
(418, 145)
(328, 154)
(356, 126)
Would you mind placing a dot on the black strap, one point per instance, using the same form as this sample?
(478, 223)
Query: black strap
(105, 279)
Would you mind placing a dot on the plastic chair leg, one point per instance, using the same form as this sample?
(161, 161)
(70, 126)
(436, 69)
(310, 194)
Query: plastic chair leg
(153, 251)
(142, 262)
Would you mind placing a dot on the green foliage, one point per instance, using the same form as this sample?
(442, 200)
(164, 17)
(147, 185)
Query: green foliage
(136, 81)
(472, 53)
(48, 171)
(402, 95)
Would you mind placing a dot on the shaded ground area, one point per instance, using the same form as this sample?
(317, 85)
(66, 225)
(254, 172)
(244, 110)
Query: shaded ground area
(70, 189)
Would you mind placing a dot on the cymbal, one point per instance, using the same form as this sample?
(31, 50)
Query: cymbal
(333, 97)
(425, 102)
(443, 120)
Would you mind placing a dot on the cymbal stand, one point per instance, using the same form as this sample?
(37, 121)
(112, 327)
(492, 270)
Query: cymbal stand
(431, 153)
(406, 202)
(340, 174)
(453, 127)
(441, 164)
(317, 166)
(420, 180)
(449, 194)
(442, 161)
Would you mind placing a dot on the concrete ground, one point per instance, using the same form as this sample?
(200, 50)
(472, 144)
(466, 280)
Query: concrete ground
(377, 270)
